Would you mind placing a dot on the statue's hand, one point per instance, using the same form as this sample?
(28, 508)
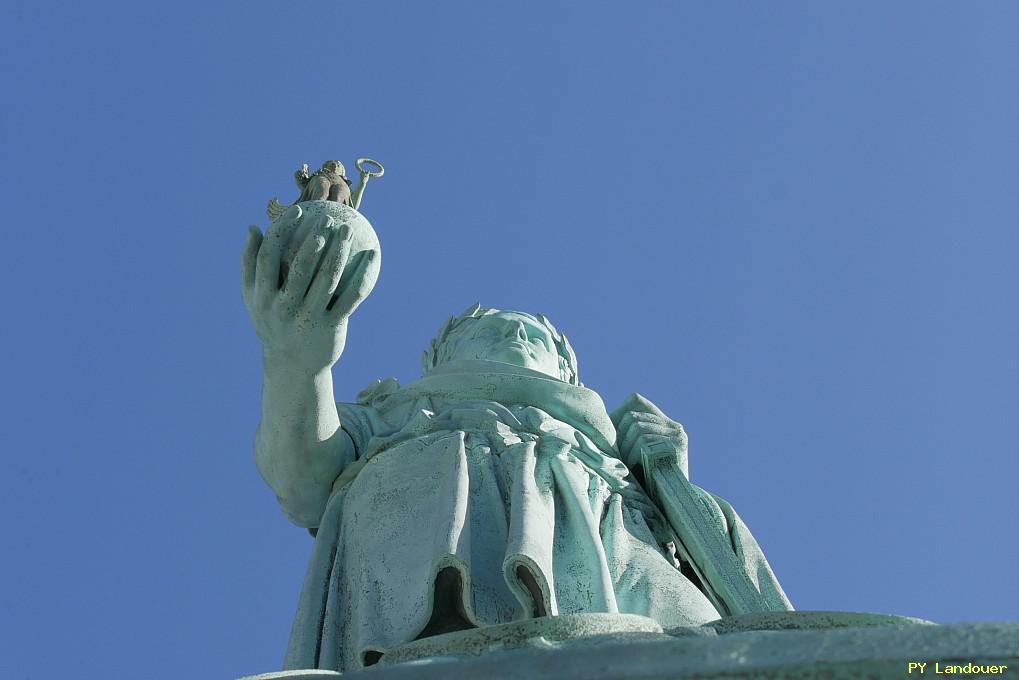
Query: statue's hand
(294, 318)
(643, 430)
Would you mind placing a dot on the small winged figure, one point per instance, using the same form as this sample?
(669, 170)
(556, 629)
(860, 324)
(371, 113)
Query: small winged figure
(328, 183)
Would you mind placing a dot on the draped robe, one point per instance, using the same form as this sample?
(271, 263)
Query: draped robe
(499, 473)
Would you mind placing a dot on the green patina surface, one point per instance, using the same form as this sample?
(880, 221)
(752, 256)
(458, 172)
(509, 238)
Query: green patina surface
(495, 509)
(516, 486)
(805, 645)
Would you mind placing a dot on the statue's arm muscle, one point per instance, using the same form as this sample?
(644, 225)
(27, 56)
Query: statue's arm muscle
(300, 448)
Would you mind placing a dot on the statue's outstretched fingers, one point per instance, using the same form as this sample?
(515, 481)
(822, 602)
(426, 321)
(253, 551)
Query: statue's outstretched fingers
(635, 432)
(634, 402)
(304, 264)
(630, 418)
(641, 403)
(357, 291)
(329, 273)
(267, 265)
(617, 414)
(248, 259)
(625, 423)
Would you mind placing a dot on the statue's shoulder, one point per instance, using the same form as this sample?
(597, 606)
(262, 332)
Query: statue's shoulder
(356, 421)
(377, 392)
(362, 420)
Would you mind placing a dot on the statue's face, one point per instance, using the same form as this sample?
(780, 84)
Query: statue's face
(334, 168)
(512, 338)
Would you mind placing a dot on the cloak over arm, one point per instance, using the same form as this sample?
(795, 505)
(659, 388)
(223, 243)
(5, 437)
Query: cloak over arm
(718, 544)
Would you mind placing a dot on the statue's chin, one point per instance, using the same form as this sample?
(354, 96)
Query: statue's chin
(511, 355)
(490, 364)
(517, 356)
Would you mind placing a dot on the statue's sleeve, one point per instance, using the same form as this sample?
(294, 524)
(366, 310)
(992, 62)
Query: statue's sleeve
(719, 545)
(361, 423)
(358, 422)
(755, 565)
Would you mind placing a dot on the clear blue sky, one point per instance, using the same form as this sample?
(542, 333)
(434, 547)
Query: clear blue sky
(791, 225)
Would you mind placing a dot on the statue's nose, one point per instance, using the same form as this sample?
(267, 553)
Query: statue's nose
(517, 330)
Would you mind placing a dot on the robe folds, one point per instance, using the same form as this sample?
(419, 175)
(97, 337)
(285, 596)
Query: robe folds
(497, 472)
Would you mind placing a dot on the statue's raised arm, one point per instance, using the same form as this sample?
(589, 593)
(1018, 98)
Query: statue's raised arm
(301, 281)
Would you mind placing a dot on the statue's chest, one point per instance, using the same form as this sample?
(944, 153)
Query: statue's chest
(487, 426)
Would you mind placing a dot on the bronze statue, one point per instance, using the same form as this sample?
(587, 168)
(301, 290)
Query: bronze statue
(329, 183)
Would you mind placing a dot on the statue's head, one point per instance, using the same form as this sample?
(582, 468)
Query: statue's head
(517, 338)
(333, 169)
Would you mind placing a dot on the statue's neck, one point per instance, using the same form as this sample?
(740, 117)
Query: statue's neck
(476, 366)
(511, 385)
